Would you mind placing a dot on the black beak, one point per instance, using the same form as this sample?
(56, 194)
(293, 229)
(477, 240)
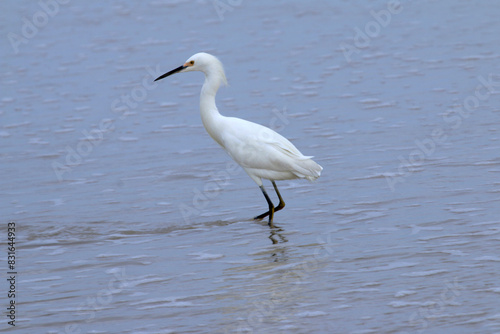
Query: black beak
(175, 70)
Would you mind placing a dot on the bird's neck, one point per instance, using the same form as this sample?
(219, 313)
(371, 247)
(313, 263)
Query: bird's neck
(210, 116)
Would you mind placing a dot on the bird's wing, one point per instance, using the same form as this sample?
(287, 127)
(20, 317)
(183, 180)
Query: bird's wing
(255, 146)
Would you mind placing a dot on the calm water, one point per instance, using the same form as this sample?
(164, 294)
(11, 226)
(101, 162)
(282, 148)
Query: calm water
(130, 219)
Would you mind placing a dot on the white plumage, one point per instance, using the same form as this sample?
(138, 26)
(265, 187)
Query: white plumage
(262, 152)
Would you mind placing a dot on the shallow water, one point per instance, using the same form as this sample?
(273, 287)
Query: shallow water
(130, 219)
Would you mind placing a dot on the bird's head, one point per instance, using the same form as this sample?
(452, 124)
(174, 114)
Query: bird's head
(203, 62)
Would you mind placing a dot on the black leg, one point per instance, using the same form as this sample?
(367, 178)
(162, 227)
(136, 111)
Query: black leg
(269, 213)
(281, 205)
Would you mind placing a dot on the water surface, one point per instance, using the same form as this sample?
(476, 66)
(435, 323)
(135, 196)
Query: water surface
(132, 220)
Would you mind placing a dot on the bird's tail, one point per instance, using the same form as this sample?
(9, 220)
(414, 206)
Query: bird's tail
(307, 168)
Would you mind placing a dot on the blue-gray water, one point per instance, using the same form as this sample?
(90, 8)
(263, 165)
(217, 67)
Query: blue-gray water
(131, 219)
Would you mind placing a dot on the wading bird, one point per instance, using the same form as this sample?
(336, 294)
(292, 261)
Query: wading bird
(263, 153)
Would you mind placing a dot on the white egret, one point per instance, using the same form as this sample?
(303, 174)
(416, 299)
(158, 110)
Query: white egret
(263, 153)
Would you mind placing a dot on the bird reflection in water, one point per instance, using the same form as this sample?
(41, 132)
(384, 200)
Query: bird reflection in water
(276, 236)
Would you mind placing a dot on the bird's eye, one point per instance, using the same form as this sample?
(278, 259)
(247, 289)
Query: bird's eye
(191, 62)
